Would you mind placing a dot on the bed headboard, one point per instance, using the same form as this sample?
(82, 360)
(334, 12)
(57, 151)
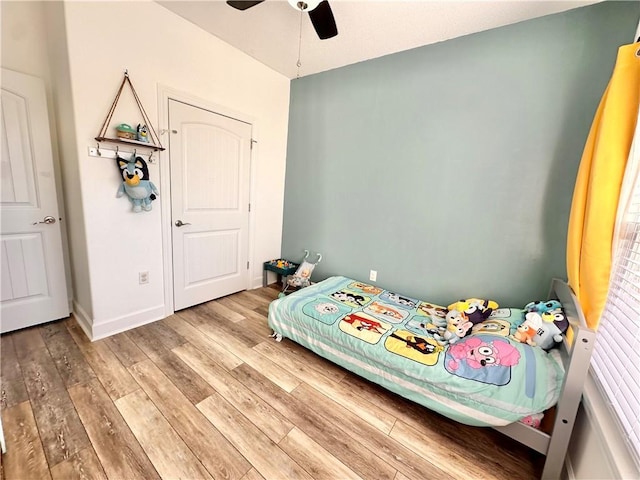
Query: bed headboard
(575, 352)
(578, 330)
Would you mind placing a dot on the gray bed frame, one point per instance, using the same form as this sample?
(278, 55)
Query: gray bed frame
(576, 358)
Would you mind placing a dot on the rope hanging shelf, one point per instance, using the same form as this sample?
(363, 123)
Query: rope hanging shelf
(153, 143)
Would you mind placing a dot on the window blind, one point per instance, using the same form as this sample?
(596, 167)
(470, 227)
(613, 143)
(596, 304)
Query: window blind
(616, 356)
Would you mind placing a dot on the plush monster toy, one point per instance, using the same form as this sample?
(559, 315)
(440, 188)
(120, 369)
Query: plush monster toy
(140, 190)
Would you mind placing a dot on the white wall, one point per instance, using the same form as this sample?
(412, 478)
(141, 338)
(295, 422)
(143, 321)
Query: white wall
(159, 49)
(81, 49)
(24, 46)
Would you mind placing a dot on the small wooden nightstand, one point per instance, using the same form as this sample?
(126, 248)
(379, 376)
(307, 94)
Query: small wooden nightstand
(282, 267)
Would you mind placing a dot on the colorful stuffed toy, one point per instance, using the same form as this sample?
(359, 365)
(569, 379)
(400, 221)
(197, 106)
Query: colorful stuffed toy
(534, 420)
(548, 326)
(558, 317)
(527, 330)
(542, 306)
(142, 133)
(136, 184)
(458, 326)
(554, 324)
(475, 309)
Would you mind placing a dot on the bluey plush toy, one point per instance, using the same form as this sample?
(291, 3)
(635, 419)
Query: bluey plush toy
(136, 184)
(142, 133)
(542, 306)
(476, 309)
(458, 326)
(528, 329)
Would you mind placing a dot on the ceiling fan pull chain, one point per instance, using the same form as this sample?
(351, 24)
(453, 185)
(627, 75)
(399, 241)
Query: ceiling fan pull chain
(299, 64)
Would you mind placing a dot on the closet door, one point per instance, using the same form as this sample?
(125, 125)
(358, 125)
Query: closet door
(210, 165)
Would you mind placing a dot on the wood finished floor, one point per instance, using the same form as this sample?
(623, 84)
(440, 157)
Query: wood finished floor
(206, 394)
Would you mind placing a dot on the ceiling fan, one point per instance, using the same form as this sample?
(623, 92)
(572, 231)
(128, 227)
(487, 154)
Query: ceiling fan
(320, 14)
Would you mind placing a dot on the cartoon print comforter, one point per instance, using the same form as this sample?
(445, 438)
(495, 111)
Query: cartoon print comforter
(484, 379)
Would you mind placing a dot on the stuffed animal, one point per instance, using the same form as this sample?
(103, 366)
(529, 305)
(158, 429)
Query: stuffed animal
(136, 183)
(534, 420)
(476, 309)
(542, 306)
(458, 326)
(142, 133)
(558, 317)
(527, 330)
(554, 324)
(549, 327)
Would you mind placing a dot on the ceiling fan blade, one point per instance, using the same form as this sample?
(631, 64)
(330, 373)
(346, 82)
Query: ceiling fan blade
(243, 4)
(323, 21)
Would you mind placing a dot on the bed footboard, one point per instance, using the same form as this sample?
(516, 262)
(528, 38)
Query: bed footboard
(576, 355)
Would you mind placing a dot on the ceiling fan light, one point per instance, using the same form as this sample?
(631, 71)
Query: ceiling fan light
(309, 4)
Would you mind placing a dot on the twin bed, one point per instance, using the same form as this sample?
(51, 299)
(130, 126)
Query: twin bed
(483, 379)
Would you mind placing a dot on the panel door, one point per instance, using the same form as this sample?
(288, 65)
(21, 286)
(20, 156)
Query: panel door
(210, 165)
(33, 286)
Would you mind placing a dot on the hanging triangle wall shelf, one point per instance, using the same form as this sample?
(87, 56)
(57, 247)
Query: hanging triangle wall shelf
(153, 143)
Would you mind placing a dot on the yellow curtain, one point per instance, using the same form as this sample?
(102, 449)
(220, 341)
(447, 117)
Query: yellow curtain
(595, 197)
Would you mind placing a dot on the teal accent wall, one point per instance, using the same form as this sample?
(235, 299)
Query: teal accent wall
(450, 168)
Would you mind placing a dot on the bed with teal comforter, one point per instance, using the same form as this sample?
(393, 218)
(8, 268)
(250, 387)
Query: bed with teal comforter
(483, 379)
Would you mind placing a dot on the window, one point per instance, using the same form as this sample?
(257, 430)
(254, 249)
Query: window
(616, 356)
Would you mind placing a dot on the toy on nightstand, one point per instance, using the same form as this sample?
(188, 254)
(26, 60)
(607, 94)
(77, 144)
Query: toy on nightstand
(283, 268)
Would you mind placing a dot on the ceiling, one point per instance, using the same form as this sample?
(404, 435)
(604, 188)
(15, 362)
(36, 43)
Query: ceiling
(270, 31)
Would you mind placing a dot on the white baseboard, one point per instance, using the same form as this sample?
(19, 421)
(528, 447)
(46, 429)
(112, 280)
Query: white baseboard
(127, 322)
(98, 330)
(256, 282)
(82, 318)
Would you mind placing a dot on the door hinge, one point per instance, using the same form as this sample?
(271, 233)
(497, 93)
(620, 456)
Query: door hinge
(247, 265)
(249, 207)
(252, 142)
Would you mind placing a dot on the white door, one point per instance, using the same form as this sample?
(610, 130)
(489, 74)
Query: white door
(210, 163)
(33, 284)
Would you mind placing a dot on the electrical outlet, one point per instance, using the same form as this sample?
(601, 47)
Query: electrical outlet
(373, 275)
(143, 277)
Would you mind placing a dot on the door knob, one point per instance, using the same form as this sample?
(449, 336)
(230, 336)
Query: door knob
(48, 220)
(179, 223)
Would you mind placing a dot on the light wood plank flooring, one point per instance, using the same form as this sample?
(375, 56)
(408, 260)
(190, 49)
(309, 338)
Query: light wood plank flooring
(206, 394)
